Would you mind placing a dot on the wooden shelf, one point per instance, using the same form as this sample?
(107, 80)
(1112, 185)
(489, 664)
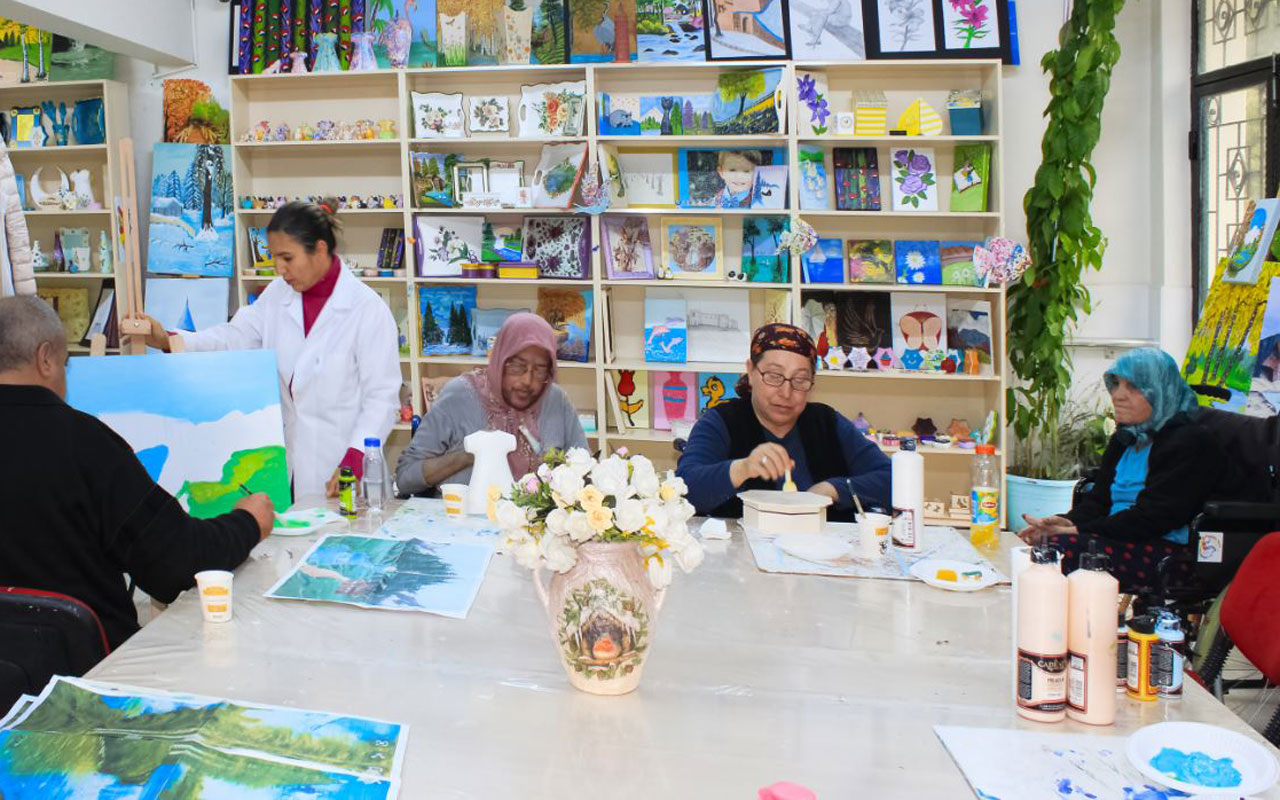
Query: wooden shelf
(532, 212)
(688, 284)
(55, 150)
(342, 212)
(897, 287)
(904, 375)
(75, 276)
(686, 366)
(83, 212)
(481, 361)
(326, 144)
(702, 212)
(864, 141)
(777, 140)
(992, 215)
(504, 281)
(446, 142)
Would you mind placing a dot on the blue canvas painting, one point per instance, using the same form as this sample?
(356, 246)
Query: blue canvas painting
(446, 319)
(203, 424)
(619, 114)
(192, 229)
(568, 311)
(392, 574)
(669, 30)
(661, 116)
(824, 263)
(918, 262)
(665, 329)
(183, 304)
(716, 388)
(486, 323)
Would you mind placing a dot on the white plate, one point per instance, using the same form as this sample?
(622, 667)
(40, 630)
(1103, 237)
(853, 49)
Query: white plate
(814, 546)
(304, 522)
(1258, 768)
(927, 571)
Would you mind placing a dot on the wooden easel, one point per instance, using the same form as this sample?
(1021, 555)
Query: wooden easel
(133, 327)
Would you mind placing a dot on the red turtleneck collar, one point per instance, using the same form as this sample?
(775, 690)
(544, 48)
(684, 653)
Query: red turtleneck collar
(313, 299)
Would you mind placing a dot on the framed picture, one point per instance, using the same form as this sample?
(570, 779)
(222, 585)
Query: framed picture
(437, 115)
(560, 246)
(750, 30)
(822, 30)
(488, 114)
(628, 253)
(977, 29)
(722, 177)
(915, 179)
(937, 29)
(692, 248)
(468, 177)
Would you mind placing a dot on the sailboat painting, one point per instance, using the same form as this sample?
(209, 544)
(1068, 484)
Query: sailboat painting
(188, 304)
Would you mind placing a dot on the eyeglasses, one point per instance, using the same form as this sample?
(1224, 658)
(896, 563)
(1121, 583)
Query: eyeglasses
(517, 368)
(799, 383)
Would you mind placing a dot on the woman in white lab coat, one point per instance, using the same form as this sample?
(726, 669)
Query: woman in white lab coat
(336, 343)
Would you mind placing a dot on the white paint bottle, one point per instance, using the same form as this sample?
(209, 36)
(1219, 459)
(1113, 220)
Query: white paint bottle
(907, 469)
(1093, 595)
(1042, 639)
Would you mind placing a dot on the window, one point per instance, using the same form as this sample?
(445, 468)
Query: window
(1234, 123)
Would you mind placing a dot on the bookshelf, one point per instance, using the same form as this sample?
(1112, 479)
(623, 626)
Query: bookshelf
(101, 162)
(891, 400)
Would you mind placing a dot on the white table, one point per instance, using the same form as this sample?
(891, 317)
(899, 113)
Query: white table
(833, 683)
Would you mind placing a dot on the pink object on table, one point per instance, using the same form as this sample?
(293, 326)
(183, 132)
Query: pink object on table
(785, 790)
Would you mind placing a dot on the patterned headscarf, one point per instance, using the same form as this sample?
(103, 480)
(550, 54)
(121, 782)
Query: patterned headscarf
(1154, 373)
(778, 336)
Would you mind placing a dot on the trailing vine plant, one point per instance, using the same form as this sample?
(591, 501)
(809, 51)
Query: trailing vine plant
(1063, 241)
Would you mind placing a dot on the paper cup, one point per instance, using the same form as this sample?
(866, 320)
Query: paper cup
(455, 499)
(214, 586)
(873, 535)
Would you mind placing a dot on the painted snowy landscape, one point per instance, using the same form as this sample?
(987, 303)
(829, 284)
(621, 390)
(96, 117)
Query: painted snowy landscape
(192, 210)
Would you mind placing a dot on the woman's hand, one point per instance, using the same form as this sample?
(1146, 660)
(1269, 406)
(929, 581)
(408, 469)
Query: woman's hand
(157, 337)
(331, 488)
(826, 490)
(1040, 528)
(769, 461)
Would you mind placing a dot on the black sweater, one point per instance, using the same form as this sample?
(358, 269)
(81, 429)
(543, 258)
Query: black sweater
(1187, 466)
(79, 510)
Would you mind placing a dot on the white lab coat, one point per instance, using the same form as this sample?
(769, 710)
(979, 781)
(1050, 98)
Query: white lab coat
(338, 385)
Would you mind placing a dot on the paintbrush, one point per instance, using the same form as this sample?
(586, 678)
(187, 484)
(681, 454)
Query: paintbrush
(789, 485)
(244, 489)
(858, 503)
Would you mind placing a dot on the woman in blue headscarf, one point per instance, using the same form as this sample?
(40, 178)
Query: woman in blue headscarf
(1156, 474)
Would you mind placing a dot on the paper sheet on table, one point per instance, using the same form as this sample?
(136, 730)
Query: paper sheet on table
(1003, 764)
(424, 518)
(305, 521)
(937, 542)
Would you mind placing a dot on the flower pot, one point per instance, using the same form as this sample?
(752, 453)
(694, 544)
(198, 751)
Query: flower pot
(602, 612)
(517, 31)
(1038, 497)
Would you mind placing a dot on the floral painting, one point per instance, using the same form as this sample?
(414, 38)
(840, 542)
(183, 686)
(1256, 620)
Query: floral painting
(906, 26)
(553, 109)
(968, 24)
(560, 246)
(813, 179)
(557, 174)
(444, 243)
(918, 262)
(437, 116)
(488, 114)
(812, 90)
(827, 30)
(914, 180)
(628, 252)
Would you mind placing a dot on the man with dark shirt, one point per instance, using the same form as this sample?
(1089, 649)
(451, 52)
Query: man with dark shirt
(78, 508)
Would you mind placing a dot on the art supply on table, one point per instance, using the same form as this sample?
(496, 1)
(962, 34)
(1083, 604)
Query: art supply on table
(491, 467)
(455, 499)
(954, 576)
(984, 498)
(1092, 597)
(375, 476)
(908, 494)
(1122, 653)
(1202, 760)
(772, 511)
(789, 485)
(1168, 656)
(214, 587)
(873, 535)
(1142, 635)
(347, 493)
(304, 521)
(1041, 598)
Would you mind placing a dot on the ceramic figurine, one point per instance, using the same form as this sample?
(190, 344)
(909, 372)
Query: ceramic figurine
(299, 59)
(282, 133)
(386, 129)
(924, 427)
(388, 202)
(858, 359)
(43, 200)
(273, 68)
(262, 131)
(82, 189)
(346, 131)
(246, 202)
(39, 261)
(104, 252)
(57, 120)
(58, 261)
(327, 53)
(397, 38)
(490, 449)
(362, 58)
(324, 131)
(862, 424)
(280, 201)
(958, 429)
(834, 359)
(365, 129)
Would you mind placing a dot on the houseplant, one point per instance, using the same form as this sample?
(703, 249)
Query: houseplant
(610, 531)
(1046, 468)
(1062, 239)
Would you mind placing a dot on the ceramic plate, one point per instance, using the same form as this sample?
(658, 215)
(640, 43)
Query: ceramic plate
(927, 571)
(1258, 768)
(814, 546)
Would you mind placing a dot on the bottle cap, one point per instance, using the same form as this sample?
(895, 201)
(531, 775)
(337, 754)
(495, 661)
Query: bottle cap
(1044, 555)
(347, 472)
(985, 449)
(1168, 624)
(908, 444)
(1093, 560)
(372, 442)
(1142, 624)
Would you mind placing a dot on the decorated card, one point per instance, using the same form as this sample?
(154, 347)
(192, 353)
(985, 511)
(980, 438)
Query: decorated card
(971, 178)
(632, 388)
(871, 261)
(716, 388)
(674, 398)
(666, 331)
(919, 329)
(915, 180)
(917, 262)
(857, 184)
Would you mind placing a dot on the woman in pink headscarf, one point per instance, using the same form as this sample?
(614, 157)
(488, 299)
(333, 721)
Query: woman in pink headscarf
(515, 393)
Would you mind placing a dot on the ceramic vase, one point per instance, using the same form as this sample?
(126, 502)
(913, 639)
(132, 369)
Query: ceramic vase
(453, 40)
(602, 612)
(88, 121)
(517, 32)
(298, 59)
(398, 39)
(327, 53)
(362, 58)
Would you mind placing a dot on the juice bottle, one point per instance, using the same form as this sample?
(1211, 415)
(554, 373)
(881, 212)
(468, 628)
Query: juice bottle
(984, 498)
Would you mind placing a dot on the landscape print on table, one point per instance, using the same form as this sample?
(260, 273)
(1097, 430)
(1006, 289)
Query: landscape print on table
(1224, 346)
(674, 398)
(746, 29)
(192, 224)
(632, 387)
(85, 739)
(906, 26)
(392, 574)
(716, 388)
(568, 311)
(670, 30)
(446, 319)
(202, 424)
(827, 30)
(665, 326)
(182, 304)
(404, 32)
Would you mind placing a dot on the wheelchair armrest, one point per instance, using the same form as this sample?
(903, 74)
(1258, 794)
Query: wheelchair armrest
(1232, 510)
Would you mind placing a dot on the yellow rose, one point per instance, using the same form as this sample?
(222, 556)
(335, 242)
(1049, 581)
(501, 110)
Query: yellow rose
(590, 497)
(495, 494)
(666, 491)
(600, 519)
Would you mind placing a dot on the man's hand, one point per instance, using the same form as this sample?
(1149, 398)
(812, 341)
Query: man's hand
(259, 505)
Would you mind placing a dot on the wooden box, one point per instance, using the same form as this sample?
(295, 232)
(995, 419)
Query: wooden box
(784, 512)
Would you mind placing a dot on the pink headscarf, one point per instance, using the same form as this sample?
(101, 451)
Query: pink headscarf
(518, 332)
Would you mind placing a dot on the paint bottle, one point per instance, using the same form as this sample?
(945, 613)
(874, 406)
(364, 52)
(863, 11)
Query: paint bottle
(347, 493)
(1141, 637)
(1122, 654)
(1168, 656)
(907, 470)
(1092, 597)
(1042, 638)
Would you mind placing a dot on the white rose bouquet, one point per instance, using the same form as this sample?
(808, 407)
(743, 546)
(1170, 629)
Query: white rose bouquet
(573, 498)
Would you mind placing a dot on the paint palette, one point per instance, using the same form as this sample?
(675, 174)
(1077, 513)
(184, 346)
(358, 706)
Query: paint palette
(955, 576)
(814, 546)
(304, 521)
(1257, 768)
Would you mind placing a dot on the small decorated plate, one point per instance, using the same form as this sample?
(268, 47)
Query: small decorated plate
(954, 576)
(1203, 760)
(814, 546)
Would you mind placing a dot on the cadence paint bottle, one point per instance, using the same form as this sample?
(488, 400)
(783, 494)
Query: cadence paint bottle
(1042, 639)
(1141, 637)
(1092, 597)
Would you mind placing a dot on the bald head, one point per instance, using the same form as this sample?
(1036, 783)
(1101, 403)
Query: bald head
(33, 345)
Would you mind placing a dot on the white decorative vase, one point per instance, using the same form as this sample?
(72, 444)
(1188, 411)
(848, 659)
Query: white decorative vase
(602, 613)
(517, 32)
(453, 40)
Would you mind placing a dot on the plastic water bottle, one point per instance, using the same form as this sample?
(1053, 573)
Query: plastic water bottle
(375, 476)
(984, 499)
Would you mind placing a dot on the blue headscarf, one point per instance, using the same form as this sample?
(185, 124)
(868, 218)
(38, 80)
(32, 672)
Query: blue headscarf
(1154, 373)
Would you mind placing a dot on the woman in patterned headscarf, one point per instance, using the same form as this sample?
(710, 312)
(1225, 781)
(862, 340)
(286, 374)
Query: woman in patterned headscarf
(751, 441)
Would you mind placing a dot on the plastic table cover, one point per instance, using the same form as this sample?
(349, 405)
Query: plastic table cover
(752, 678)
